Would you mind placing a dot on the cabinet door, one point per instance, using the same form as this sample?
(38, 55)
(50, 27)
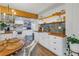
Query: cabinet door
(8, 36)
(59, 50)
(36, 36)
(44, 40)
(43, 43)
(2, 37)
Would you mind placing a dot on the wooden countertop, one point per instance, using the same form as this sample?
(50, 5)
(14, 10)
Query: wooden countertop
(11, 47)
(60, 34)
(7, 32)
(57, 34)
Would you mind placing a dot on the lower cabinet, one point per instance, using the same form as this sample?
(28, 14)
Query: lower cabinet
(56, 45)
(7, 36)
(53, 43)
(2, 37)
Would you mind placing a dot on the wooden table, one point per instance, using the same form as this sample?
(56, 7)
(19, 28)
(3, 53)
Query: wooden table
(12, 47)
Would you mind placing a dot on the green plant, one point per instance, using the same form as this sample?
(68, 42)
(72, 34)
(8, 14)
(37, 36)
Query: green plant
(2, 25)
(73, 39)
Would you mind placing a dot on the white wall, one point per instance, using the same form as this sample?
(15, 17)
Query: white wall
(72, 19)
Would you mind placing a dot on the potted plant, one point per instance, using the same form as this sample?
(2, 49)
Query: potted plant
(2, 27)
(74, 43)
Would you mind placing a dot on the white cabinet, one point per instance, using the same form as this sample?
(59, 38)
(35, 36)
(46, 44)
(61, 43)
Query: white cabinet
(8, 36)
(53, 43)
(37, 36)
(40, 36)
(56, 44)
(2, 37)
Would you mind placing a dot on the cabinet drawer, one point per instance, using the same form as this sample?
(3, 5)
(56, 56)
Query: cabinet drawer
(53, 49)
(56, 37)
(56, 42)
(57, 50)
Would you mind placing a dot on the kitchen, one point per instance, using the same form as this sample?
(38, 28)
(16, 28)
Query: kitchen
(26, 31)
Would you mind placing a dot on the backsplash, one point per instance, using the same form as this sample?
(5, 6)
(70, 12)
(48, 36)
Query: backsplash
(53, 27)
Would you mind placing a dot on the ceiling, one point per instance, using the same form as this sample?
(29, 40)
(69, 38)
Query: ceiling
(29, 7)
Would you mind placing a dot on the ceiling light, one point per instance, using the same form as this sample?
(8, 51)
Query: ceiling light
(4, 14)
(14, 13)
(12, 10)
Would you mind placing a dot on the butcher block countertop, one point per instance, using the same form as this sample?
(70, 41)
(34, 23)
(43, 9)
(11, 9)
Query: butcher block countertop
(10, 46)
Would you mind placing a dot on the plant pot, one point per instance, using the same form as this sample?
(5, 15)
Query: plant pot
(74, 47)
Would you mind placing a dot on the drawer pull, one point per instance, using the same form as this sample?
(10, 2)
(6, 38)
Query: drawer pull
(54, 42)
(54, 48)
